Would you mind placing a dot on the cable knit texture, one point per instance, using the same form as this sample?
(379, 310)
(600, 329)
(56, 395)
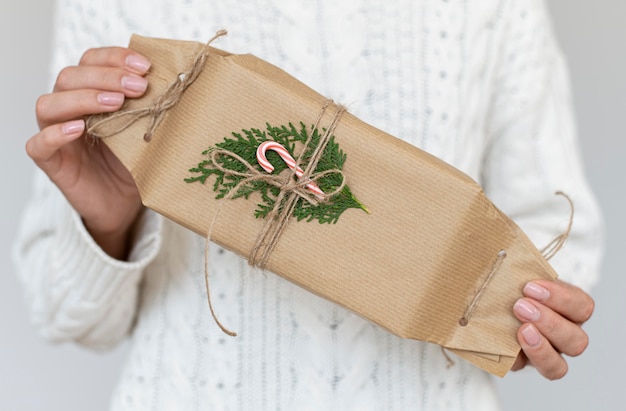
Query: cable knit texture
(480, 84)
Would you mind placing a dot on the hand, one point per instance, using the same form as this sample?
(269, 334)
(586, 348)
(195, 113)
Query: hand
(92, 179)
(552, 314)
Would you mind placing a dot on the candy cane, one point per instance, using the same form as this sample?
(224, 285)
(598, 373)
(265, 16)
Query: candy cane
(291, 163)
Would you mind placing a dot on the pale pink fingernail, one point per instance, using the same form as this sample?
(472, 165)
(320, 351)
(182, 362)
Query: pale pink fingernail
(534, 290)
(134, 83)
(531, 336)
(138, 63)
(73, 127)
(526, 310)
(111, 99)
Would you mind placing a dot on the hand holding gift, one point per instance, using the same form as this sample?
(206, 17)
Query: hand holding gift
(93, 180)
(552, 314)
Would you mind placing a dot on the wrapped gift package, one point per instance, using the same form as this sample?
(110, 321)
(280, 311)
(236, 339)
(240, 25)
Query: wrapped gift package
(426, 257)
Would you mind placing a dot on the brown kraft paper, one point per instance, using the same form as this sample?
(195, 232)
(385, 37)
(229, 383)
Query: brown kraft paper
(432, 250)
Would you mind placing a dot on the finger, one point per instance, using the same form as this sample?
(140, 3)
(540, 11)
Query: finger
(566, 336)
(116, 57)
(566, 299)
(101, 78)
(43, 146)
(67, 105)
(540, 353)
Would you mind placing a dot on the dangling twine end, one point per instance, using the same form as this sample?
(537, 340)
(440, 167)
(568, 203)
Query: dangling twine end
(225, 330)
(449, 361)
(217, 35)
(206, 283)
(217, 321)
(555, 245)
(147, 137)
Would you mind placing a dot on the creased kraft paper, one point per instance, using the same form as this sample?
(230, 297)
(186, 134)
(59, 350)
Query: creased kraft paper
(412, 266)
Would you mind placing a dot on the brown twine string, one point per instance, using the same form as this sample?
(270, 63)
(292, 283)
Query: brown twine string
(467, 315)
(555, 245)
(291, 190)
(548, 252)
(208, 290)
(276, 221)
(162, 104)
(449, 361)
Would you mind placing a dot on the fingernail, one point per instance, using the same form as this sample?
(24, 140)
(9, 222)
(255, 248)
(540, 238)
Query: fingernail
(526, 310)
(111, 99)
(531, 336)
(134, 83)
(73, 127)
(139, 63)
(534, 290)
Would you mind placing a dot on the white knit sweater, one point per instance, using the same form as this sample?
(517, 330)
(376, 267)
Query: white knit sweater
(480, 84)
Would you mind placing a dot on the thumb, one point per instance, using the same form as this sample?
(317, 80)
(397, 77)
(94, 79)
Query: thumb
(44, 146)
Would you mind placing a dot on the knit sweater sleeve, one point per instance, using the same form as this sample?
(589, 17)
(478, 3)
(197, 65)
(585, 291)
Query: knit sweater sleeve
(534, 151)
(74, 290)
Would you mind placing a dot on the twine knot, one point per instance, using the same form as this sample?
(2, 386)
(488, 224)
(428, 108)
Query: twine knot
(291, 189)
(160, 107)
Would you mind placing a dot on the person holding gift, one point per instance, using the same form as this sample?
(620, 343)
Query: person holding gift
(482, 86)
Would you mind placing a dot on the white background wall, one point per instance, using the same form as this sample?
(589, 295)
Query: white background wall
(37, 376)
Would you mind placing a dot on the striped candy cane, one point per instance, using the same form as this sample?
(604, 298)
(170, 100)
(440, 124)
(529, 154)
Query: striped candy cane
(291, 163)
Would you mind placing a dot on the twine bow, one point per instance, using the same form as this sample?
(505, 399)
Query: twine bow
(291, 190)
(162, 104)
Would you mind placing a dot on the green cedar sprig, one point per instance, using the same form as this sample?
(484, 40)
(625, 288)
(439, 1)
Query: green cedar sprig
(245, 145)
